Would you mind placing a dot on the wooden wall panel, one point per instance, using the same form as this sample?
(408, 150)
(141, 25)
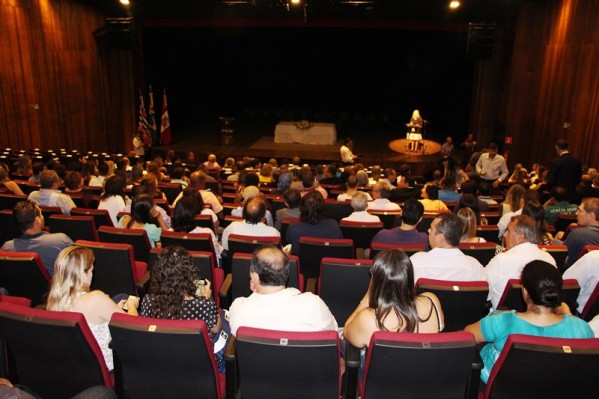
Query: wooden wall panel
(54, 88)
(552, 79)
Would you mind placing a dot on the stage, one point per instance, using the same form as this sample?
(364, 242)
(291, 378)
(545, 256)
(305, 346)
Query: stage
(376, 147)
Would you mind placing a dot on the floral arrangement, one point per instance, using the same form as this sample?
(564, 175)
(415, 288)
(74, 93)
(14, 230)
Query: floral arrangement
(303, 124)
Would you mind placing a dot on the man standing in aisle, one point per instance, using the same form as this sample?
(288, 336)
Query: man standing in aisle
(565, 170)
(492, 167)
(347, 156)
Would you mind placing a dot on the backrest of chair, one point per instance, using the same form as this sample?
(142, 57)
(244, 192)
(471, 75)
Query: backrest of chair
(527, 363)
(55, 353)
(512, 295)
(559, 253)
(563, 220)
(389, 218)
(272, 362)
(24, 274)
(8, 201)
(152, 351)
(342, 284)
(464, 302)
(482, 251)
(431, 366)
(337, 210)
(427, 219)
(489, 232)
(171, 190)
(101, 216)
(48, 211)
(248, 244)
(204, 221)
(76, 227)
(491, 216)
(113, 267)
(312, 250)
(16, 300)
(191, 242)
(285, 222)
(361, 233)
(409, 249)
(8, 226)
(138, 238)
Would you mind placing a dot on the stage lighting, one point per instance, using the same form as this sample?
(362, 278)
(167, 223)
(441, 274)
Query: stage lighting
(295, 2)
(454, 4)
(124, 2)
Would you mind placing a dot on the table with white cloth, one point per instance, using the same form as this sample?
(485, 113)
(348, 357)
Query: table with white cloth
(319, 133)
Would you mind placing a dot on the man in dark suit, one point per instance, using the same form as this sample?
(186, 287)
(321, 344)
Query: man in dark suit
(565, 170)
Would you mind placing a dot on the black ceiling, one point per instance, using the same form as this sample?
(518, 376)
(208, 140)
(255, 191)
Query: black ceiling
(432, 12)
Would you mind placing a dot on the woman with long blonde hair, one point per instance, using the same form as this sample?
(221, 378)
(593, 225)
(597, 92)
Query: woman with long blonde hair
(70, 292)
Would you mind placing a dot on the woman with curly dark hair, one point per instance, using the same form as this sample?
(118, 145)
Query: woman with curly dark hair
(177, 291)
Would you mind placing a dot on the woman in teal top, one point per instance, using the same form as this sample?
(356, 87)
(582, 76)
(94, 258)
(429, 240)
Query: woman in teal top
(545, 315)
(144, 216)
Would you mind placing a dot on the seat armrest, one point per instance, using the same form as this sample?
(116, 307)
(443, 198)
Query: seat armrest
(231, 370)
(311, 285)
(225, 292)
(352, 367)
(143, 285)
(474, 383)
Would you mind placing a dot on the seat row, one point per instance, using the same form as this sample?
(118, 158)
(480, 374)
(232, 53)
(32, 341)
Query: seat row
(156, 358)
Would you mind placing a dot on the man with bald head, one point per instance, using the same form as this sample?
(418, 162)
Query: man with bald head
(252, 224)
(274, 307)
(197, 181)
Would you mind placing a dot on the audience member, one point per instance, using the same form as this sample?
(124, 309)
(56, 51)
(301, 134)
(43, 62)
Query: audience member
(536, 211)
(50, 195)
(359, 203)
(521, 248)
(587, 232)
(248, 193)
(484, 191)
(310, 184)
(470, 222)
(471, 187)
(492, 167)
(352, 188)
(11, 186)
(389, 177)
(252, 224)
(445, 261)
(114, 198)
(430, 198)
(545, 315)
(98, 181)
(586, 272)
(184, 220)
(37, 168)
(313, 222)
(271, 305)
(381, 202)
(407, 232)
(292, 200)
(70, 292)
(197, 181)
(527, 197)
(558, 204)
(29, 219)
(145, 216)
(390, 303)
(330, 175)
(448, 190)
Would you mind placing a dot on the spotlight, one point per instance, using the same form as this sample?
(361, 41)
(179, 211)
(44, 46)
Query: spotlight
(295, 2)
(124, 2)
(454, 4)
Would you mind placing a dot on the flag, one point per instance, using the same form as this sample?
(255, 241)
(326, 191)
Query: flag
(165, 123)
(142, 125)
(152, 119)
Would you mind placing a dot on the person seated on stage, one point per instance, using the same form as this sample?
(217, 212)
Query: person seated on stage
(430, 198)
(448, 191)
(352, 184)
(381, 194)
(447, 147)
(407, 232)
(347, 156)
(359, 203)
(414, 130)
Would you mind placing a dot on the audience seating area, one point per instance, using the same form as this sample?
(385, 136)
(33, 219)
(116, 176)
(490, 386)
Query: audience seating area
(173, 358)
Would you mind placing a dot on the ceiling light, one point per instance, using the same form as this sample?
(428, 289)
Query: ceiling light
(454, 4)
(124, 2)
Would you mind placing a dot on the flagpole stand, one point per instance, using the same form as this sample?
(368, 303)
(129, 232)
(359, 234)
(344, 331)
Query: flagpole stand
(226, 130)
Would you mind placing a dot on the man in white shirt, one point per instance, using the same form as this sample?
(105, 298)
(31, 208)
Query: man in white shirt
(347, 156)
(586, 272)
(381, 202)
(352, 188)
(445, 261)
(197, 181)
(492, 166)
(50, 195)
(274, 307)
(521, 248)
(252, 225)
(359, 202)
